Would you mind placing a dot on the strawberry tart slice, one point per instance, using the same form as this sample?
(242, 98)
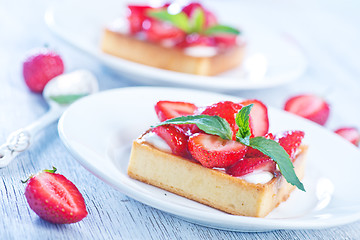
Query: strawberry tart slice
(220, 155)
(185, 39)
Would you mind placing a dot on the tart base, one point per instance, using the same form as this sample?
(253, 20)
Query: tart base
(209, 186)
(155, 55)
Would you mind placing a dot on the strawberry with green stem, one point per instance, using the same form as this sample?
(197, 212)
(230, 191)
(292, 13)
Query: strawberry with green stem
(54, 198)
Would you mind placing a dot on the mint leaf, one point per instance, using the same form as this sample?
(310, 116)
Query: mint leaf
(67, 99)
(221, 29)
(266, 146)
(197, 20)
(179, 20)
(214, 125)
(279, 155)
(242, 120)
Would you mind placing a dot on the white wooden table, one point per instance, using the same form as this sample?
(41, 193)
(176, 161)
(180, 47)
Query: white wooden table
(327, 31)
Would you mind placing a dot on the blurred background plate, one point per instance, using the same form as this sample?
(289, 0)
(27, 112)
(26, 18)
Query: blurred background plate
(272, 58)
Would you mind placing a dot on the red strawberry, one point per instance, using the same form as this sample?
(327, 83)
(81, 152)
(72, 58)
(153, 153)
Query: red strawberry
(225, 40)
(290, 141)
(54, 198)
(213, 151)
(136, 17)
(349, 133)
(195, 39)
(249, 165)
(175, 137)
(251, 152)
(259, 120)
(309, 106)
(40, 67)
(226, 110)
(168, 109)
(157, 31)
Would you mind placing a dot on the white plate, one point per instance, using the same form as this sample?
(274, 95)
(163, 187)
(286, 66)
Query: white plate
(271, 59)
(99, 130)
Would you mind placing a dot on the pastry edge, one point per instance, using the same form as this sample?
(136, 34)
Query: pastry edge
(209, 186)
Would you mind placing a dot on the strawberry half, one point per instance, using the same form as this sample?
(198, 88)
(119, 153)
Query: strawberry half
(175, 137)
(249, 165)
(136, 17)
(213, 151)
(168, 109)
(290, 141)
(309, 106)
(157, 31)
(349, 133)
(54, 198)
(226, 110)
(259, 119)
(251, 152)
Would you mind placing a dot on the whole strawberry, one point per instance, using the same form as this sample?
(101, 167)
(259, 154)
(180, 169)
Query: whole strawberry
(54, 198)
(40, 67)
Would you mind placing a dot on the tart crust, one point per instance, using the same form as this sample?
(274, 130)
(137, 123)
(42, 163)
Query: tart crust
(210, 186)
(174, 59)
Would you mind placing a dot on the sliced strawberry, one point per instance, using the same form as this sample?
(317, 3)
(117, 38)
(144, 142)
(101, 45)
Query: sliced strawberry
(225, 40)
(54, 198)
(175, 137)
(169, 109)
(259, 120)
(226, 110)
(349, 133)
(213, 151)
(249, 165)
(136, 17)
(290, 141)
(309, 106)
(163, 32)
(195, 39)
(256, 153)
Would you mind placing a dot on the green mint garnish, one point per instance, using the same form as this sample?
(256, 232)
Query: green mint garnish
(242, 120)
(194, 24)
(179, 20)
(267, 146)
(67, 99)
(214, 125)
(221, 29)
(280, 156)
(197, 20)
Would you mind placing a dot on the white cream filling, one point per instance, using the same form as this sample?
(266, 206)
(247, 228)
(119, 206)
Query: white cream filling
(256, 177)
(201, 51)
(156, 141)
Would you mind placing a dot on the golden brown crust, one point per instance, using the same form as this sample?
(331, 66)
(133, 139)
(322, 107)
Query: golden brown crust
(174, 59)
(209, 186)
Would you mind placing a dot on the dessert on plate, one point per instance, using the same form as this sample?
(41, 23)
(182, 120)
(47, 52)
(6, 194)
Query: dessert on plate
(220, 155)
(185, 39)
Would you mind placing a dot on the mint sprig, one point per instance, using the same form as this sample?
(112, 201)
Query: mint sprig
(179, 20)
(267, 146)
(194, 24)
(214, 125)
